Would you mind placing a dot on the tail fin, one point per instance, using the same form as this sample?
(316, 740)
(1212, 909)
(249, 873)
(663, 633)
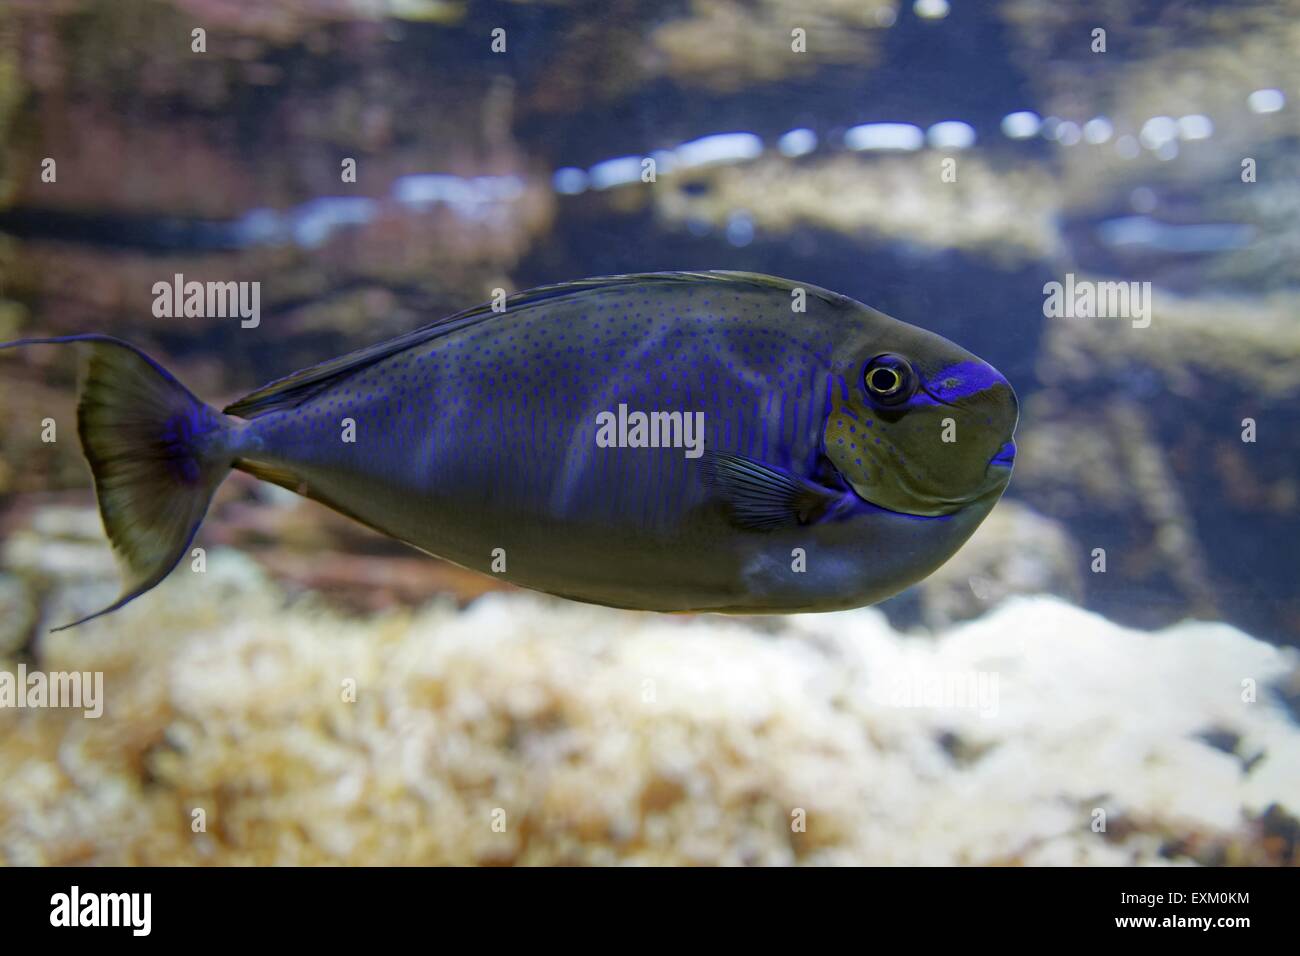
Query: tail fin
(157, 454)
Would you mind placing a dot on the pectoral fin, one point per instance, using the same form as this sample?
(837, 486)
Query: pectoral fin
(764, 497)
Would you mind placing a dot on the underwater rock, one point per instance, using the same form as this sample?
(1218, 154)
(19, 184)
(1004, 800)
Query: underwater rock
(1251, 342)
(1165, 443)
(725, 45)
(1016, 551)
(1004, 213)
(1217, 61)
(150, 162)
(18, 613)
(533, 731)
(300, 545)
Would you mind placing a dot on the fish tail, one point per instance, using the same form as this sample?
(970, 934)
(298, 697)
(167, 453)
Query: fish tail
(156, 452)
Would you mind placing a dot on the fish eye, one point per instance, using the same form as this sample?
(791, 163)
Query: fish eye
(889, 379)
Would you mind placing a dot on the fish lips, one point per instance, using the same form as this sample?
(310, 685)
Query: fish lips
(1005, 457)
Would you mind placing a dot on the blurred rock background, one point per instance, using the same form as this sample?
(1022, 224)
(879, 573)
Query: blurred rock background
(478, 169)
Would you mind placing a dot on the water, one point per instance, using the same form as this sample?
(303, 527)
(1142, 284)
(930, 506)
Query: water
(1160, 445)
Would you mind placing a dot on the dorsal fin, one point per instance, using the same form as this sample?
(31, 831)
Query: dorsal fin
(296, 388)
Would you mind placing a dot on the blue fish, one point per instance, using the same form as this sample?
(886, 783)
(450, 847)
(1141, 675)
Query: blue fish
(686, 441)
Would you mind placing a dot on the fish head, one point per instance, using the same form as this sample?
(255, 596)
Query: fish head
(919, 425)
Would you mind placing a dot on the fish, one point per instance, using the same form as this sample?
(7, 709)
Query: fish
(679, 442)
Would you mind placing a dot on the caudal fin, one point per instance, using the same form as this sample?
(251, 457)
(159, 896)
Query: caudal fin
(157, 454)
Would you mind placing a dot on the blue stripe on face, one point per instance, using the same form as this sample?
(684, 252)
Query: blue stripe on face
(962, 380)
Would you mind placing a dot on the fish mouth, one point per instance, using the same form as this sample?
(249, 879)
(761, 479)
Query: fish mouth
(1005, 457)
